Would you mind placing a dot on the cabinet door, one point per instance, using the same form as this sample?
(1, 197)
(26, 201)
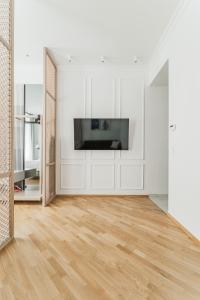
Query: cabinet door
(49, 129)
(6, 123)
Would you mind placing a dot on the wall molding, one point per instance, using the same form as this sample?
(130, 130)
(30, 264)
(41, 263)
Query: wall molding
(141, 186)
(177, 15)
(141, 156)
(156, 60)
(92, 166)
(84, 115)
(103, 158)
(83, 186)
(106, 163)
(113, 98)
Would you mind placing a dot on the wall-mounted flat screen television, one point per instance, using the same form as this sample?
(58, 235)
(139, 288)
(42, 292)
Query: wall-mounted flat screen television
(101, 134)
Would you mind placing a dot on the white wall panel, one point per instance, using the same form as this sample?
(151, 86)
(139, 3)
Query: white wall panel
(131, 176)
(102, 105)
(132, 107)
(72, 176)
(102, 176)
(73, 105)
(103, 98)
(102, 155)
(100, 93)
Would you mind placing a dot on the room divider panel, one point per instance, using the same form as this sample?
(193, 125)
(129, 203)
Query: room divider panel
(49, 129)
(6, 122)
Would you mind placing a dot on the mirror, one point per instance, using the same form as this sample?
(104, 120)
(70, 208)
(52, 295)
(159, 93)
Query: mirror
(28, 133)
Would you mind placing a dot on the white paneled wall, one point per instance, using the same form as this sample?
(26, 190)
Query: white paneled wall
(104, 92)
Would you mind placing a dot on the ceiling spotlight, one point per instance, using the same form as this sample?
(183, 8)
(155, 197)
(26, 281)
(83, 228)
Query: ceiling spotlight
(69, 58)
(135, 59)
(27, 55)
(102, 59)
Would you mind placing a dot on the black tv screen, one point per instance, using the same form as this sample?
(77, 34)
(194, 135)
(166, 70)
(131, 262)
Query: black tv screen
(101, 134)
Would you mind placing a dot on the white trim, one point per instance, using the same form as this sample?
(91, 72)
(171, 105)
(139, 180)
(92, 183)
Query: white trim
(84, 114)
(180, 9)
(141, 156)
(156, 61)
(73, 187)
(141, 187)
(113, 176)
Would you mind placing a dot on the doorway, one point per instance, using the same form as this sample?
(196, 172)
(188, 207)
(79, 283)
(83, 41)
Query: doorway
(159, 120)
(35, 133)
(28, 105)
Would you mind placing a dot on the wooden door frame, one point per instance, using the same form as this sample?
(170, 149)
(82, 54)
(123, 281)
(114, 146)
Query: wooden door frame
(47, 93)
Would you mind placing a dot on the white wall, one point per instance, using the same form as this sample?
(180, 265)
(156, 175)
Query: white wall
(110, 91)
(100, 91)
(156, 142)
(28, 74)
(34, 98)
(181, 46)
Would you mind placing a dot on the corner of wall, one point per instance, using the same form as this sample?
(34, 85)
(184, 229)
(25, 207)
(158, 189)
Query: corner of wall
(161, 52)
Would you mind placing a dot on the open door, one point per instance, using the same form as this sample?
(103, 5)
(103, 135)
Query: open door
(49, 130)
(6, 123)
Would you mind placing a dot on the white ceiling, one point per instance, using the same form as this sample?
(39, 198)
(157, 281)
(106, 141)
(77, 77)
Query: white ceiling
(88, 29)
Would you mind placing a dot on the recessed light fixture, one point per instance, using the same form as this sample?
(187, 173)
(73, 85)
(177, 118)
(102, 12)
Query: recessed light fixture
(27, 55)
(135, 59)
(69, 58)
(102, 59)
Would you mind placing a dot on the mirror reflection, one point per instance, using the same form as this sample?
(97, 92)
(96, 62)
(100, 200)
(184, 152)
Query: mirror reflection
(28, 110)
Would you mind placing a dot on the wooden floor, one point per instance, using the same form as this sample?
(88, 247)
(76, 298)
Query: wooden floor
(98, 248)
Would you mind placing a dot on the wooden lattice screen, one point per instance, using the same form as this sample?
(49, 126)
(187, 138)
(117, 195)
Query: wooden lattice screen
(49, 129)
(6, 122)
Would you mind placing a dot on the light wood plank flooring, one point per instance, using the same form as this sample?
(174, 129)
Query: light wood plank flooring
(98, 248)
